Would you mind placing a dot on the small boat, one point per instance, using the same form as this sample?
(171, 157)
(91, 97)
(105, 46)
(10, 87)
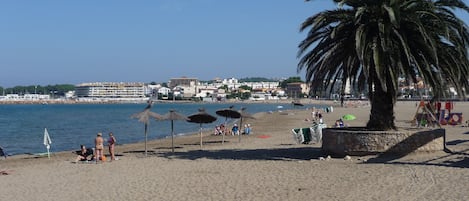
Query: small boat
(297, 104)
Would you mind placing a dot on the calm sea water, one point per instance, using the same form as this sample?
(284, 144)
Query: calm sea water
(22, 126)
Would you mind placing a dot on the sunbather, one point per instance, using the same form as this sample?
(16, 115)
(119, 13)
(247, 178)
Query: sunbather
(83, 154)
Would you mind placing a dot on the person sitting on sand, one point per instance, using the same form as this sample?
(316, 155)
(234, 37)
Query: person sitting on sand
(235, 130)
(247, 129)
(218, 130)
(83, 154)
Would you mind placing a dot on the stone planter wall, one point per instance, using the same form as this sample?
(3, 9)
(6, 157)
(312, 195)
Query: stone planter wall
(358, 141)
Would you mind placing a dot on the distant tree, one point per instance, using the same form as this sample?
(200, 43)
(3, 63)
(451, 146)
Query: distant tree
(58, 90)
(225, 87)
(284, 83)
(153, 83)
(245, 87)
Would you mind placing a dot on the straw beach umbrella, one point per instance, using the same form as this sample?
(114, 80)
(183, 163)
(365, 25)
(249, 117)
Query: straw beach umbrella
(173, 115)
(144, 117)
(201, 117)
(228, 113)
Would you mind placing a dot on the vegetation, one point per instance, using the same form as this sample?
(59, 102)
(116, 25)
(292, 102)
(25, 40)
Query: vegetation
(284, 83)
(55, 90)
(373, 42)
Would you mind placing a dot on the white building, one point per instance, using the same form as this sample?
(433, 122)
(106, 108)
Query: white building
(111, 90)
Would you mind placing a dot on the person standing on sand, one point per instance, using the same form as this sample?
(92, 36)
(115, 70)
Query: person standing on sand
(111, 143)
(99, 146)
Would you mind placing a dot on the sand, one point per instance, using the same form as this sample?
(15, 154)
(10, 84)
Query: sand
(266, 165)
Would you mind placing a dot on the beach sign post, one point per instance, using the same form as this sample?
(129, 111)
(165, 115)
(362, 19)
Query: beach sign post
(47, 142)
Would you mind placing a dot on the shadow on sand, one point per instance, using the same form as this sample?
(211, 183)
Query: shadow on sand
(281, 154)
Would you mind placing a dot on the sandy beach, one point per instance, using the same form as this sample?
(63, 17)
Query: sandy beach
(266, 165)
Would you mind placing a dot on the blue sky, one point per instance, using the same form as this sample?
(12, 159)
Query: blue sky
(69, 42)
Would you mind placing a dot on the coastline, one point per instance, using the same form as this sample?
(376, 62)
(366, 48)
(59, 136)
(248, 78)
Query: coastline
(266, 165)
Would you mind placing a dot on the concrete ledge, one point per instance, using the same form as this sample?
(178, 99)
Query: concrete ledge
(359, 141)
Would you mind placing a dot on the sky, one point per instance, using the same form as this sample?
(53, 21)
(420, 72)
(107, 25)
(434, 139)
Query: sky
(47, 42)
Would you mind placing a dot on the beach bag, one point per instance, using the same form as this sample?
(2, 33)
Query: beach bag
(103, 158)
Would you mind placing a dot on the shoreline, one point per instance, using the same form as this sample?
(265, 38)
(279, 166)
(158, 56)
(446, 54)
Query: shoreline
(265, 165)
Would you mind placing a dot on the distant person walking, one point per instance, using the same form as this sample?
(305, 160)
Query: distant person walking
(111, 143)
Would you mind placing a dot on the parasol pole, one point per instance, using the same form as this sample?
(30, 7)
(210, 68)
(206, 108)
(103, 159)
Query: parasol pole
(172, 135)
(224, 131)
(48, 153)
(200, 135)
(146, 127)
(240, 127)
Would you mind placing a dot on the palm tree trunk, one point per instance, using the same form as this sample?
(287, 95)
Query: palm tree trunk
(382, 108)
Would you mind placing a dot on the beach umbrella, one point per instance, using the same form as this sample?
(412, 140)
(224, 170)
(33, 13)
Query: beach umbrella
(173, 115)
(228, 113)
(144, 117)
(349, 117)
(244, 115)
(201, 117)
(47, 142)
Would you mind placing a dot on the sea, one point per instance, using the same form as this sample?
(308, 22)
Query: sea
(69, 125)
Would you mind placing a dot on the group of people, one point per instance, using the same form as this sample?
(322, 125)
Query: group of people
(98, 153)
(221, 130)
(339, 123)
(317, 115)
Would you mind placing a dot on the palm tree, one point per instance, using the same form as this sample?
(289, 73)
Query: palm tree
(373, 42)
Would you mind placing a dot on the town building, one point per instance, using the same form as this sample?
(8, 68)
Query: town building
(111, 90)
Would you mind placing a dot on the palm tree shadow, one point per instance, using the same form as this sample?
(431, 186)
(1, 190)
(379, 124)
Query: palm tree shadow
(460, 161)
(207, 142)
(284, 154)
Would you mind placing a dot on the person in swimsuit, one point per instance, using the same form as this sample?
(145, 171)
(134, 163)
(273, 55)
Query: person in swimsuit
(99, 146)
(111, 142)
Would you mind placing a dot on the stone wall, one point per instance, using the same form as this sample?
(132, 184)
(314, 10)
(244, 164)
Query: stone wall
(359, 141)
